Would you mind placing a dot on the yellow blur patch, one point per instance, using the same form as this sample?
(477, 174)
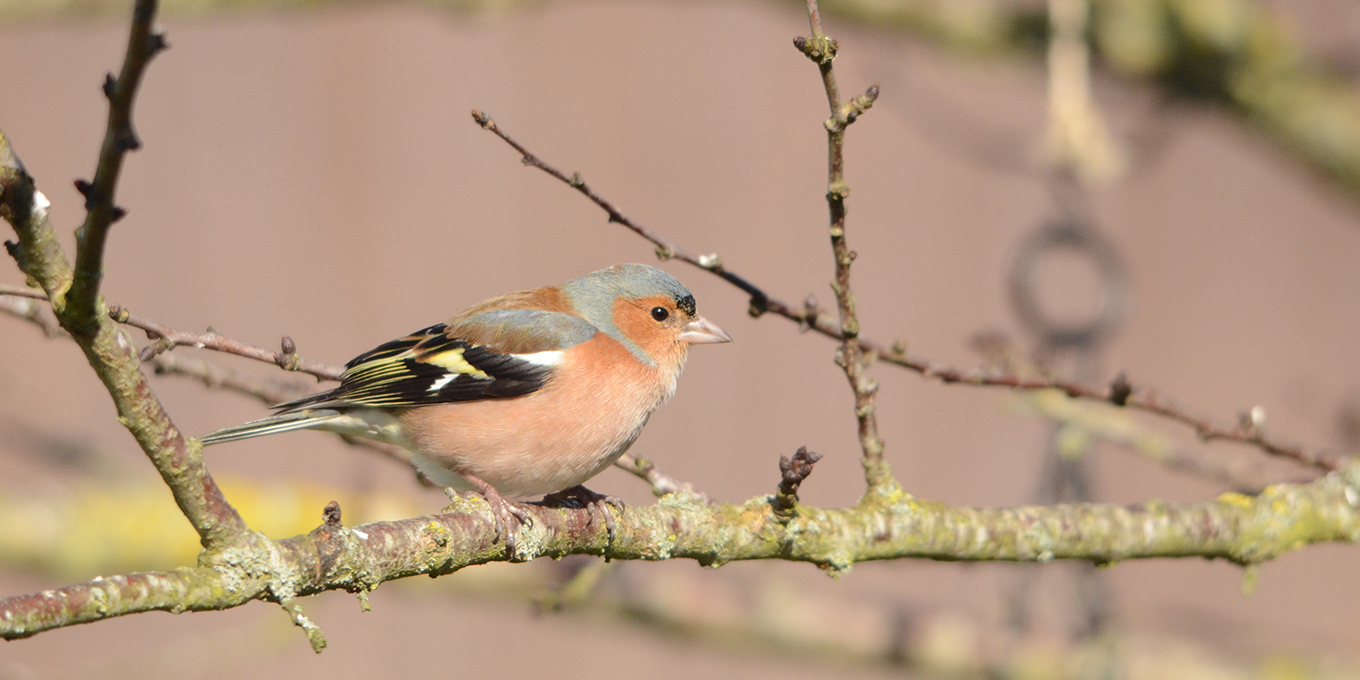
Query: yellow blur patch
(115, 528)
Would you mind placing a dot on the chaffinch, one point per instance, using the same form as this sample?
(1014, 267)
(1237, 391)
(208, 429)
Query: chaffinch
(528, 393)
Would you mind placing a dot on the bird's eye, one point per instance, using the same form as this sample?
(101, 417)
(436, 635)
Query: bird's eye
(660, 313)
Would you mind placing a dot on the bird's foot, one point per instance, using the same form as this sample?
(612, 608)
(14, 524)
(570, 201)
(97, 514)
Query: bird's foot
(507, 515)
(596, 503)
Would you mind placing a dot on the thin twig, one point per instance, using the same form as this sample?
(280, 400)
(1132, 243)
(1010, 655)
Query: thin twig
(809, 317)
(119, 139)
(22, 291)
(851, 357)
(665, 249)
(30, 310)
(214, 376)
(662, 483)
(167, 338)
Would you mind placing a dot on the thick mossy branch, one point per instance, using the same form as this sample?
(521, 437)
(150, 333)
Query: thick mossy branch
(1242, 529)
(37, 252)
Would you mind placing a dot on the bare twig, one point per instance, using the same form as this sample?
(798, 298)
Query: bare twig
(40, 314)
(167, 338)
(314, 635)
(792, 472)
(119, 139)
(662, 483)
(809, 317)
(1086, 420)
(21, 291)
(214, 376)
(665, 249)
(851, 356)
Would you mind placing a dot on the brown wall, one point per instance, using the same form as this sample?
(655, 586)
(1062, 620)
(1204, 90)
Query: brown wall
(317, 174)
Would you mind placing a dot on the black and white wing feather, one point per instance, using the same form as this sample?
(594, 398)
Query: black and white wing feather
(438, 364)
(491, 355)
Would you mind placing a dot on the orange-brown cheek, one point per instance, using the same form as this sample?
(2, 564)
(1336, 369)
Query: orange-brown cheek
(635, 321)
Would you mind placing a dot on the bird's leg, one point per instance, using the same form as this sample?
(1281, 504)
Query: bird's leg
(504, 512)
(580, 497)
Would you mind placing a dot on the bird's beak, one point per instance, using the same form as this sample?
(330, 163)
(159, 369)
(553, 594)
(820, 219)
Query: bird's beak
(701, 331)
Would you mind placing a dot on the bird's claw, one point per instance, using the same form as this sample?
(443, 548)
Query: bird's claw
(508, 516)
(596, 504)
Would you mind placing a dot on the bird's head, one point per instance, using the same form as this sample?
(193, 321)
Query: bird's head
(646, 309)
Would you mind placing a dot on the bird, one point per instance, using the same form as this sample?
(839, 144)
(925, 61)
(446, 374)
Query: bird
(528, 393)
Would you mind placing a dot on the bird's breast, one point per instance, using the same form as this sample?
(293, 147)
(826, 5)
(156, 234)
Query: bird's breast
(579, 423)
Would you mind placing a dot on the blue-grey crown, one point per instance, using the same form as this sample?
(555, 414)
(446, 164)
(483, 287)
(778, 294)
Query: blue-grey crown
(593, 295)
(630, 281)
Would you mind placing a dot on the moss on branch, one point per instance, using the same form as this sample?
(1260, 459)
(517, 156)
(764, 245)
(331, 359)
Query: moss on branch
(1242, 529)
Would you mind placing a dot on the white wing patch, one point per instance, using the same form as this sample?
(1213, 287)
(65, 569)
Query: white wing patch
(440, 383)
(548, 358)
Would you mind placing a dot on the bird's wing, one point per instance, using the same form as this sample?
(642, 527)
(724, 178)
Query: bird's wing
(489, 355)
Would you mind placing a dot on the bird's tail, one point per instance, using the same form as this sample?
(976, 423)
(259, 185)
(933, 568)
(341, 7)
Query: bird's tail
(283, 422)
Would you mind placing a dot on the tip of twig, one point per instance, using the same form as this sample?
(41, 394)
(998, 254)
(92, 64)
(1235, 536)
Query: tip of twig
(1252, 420)
(821, 50)
(758, 305)
(1120, 390)
(157, 43)
(792, 472)
(898, 349)
(331, 514)
(129, 140)
(483, 120)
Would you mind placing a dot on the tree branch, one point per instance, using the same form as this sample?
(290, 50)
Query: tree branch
(1241, 529)
(106, 347)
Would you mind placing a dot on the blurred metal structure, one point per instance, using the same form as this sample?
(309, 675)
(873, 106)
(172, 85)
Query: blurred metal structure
(1075, 349)
(1081, 153)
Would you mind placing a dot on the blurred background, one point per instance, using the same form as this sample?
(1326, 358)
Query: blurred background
(310, 169)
